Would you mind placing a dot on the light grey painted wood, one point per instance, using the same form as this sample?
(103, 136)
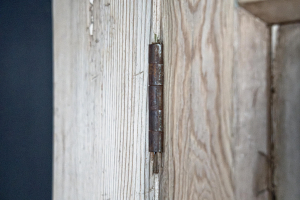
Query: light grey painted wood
(286, 112)
(100, 97)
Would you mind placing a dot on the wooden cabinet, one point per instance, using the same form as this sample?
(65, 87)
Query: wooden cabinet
(230, 101)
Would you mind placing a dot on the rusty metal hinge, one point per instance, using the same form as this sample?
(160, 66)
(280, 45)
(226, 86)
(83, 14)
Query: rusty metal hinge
(156, 81)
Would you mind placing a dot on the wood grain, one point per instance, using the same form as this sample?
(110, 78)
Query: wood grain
(216, 121)
(286, 112)
(216, 101)
(100, 87)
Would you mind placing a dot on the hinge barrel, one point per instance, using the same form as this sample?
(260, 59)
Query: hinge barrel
(156, 80)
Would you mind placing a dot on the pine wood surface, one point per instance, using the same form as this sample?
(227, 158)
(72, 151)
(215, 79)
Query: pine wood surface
(216, 102)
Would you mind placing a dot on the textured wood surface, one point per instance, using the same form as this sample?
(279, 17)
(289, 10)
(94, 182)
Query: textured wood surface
(251, 108)
(100, 87)
(216, 101)
(286, 112)
(273, 11)
(216, 107)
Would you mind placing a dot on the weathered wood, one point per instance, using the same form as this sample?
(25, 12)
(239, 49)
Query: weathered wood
(273, 11)
(251, 108)
(286, 112)
(216, 102)
(198, 56)
(100, 87)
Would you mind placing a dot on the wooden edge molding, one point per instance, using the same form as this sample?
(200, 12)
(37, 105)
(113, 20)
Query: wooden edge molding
(273, 11)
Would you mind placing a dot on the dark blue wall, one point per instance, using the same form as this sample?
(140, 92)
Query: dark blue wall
(25, 99)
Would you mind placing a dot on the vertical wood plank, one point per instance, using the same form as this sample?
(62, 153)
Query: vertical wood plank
(198, 38)
(251, 108)
(216, 101)
(286, 112)
(100, 88)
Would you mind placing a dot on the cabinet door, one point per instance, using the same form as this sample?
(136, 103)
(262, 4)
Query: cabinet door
(100, 97)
